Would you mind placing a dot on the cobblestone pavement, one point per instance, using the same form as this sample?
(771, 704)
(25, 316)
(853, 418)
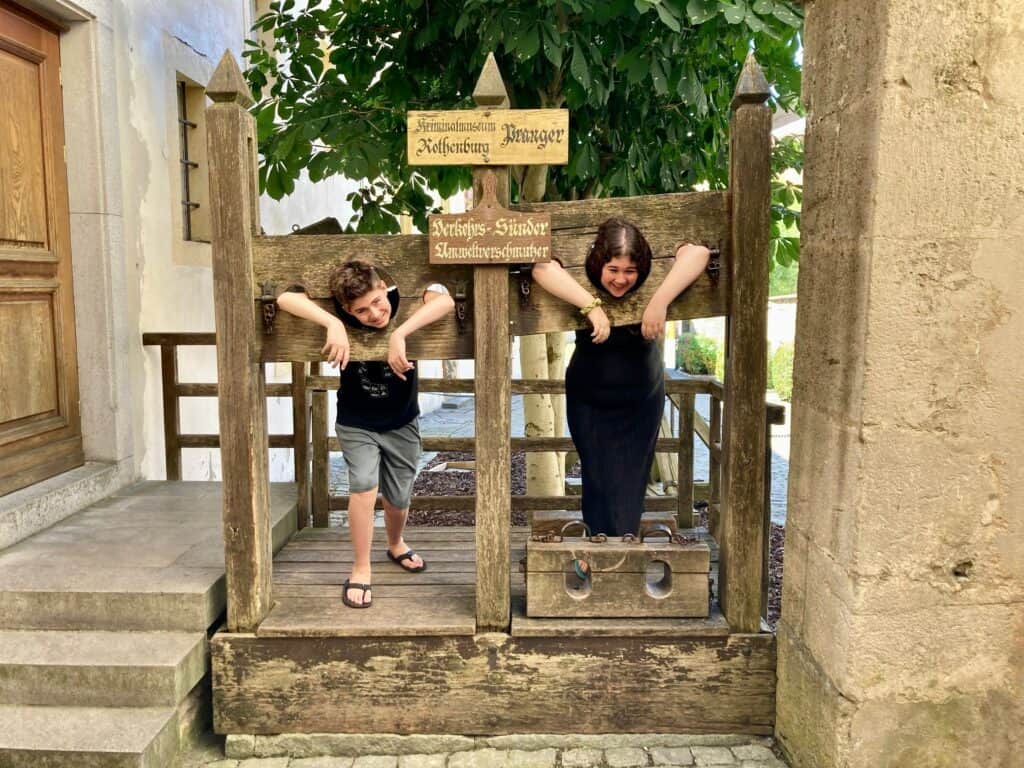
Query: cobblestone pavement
(457, 421)
(524, 751)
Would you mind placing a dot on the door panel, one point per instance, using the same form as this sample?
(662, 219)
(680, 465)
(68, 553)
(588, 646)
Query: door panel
(40, 432)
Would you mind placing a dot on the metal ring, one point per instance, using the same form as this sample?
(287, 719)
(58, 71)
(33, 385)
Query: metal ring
(656, 528)
(571, 523)
(629, 538)
(598, 538)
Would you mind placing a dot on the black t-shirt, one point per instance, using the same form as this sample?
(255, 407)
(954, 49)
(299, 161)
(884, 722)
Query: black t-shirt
(371, 396)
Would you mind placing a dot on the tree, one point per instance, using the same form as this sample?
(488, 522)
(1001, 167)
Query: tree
(648, 84)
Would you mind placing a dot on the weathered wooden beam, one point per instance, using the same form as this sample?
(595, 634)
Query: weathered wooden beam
(743, 438)
(172, 421)
(694, 385)
(524, 503)
(300, 440)
(321, 460)
(492, 344)
(243, 409)
(491, 684)
(684, 471)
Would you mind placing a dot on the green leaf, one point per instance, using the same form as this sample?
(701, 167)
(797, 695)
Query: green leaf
(552, 47)
(579, 66)
(667, 17)
(786, 16)
(734, 12)
(659, 78)
(764, 7)
(700, 11)
(527, 42)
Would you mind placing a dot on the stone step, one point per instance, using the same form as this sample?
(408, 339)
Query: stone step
(99, 669)
(110, 598)
(88, 737)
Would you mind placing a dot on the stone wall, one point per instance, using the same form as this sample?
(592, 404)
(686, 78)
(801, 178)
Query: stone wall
(902, 634)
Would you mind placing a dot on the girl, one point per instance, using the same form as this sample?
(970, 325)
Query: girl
(614, 385)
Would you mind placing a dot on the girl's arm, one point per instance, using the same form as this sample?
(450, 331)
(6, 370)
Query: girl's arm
(552, 277)
(690, 262)
(337, 347)
(435, 306)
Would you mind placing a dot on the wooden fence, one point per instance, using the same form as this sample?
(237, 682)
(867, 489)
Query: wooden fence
(312, 439)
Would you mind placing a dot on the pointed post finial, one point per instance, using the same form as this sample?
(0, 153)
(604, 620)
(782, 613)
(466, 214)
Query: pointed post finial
(752, 87)
(228, 85)
(490, 88)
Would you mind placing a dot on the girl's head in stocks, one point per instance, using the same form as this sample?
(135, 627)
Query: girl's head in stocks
(620, 258)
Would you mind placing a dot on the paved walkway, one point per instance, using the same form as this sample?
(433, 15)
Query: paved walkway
(458, 421)
(526, 751)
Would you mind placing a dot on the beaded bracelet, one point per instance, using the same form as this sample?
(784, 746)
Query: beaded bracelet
(586, 310)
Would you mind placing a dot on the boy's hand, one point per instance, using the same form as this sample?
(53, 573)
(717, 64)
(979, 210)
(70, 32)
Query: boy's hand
(602, 327)
(337, 348)
(396, 355)
(652, 325)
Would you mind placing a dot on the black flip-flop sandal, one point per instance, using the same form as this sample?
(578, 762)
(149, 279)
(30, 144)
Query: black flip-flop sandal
(355, 585)
(409, 555)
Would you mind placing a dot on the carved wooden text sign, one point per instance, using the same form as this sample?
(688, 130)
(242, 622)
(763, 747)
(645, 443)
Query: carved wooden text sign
(490, 235)
(489, 137)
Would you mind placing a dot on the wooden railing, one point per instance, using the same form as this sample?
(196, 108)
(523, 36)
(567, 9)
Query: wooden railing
(312, 440)
(172, 390)
(683, 392)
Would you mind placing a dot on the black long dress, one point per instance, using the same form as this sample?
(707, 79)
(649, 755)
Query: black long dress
(615, 397)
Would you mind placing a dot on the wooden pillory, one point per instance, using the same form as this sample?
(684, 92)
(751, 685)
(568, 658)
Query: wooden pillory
(451, 661)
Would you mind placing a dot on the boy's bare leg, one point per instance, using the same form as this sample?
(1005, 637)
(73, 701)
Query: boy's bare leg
(360, 524)
(394, 524)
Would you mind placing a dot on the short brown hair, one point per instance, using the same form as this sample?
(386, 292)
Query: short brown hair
(353, 279)
(617, 237)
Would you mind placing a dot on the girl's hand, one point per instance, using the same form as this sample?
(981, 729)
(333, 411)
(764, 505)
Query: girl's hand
(396, 355)
(337, 346)
(652, 325)
(599, 321)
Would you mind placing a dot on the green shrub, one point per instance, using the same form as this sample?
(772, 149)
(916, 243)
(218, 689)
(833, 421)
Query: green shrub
(696, 354)
(782, 371)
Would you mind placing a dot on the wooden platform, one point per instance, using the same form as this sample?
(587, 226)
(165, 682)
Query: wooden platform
(414, 663)
(310, 569)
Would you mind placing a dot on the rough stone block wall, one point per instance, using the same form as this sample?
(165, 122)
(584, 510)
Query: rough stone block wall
(901, 641)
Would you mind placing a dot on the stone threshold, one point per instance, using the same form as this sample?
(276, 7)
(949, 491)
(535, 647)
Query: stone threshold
(30, 510)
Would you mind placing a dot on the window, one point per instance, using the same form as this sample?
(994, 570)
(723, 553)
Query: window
(195, 212)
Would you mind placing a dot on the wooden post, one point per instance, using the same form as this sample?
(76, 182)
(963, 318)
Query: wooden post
(715, 468)
(172, 422)
(240, 377)
(321, 460)
(300, 441)
(684, 468)
(493, 402)
(742, 539)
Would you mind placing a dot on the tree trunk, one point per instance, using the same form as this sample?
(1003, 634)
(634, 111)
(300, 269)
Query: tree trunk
(556, 370)
(543, 477)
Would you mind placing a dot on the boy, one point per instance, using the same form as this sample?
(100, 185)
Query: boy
(378, 410)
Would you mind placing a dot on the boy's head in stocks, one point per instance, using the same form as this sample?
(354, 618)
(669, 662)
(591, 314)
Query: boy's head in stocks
(361, 292)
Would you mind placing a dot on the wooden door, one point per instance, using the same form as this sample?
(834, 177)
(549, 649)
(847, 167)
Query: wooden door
(40, 429)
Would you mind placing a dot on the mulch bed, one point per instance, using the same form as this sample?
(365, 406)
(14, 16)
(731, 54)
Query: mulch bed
(463, 483)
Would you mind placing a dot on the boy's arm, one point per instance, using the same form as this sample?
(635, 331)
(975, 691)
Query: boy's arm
(435, 306)
(552, 277)
(690, 262)
(337, 346)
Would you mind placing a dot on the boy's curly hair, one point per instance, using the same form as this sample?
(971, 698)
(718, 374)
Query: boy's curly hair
(353, 279)
(617, 237)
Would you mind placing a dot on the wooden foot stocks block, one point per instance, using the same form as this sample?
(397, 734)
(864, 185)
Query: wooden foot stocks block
(624, 580)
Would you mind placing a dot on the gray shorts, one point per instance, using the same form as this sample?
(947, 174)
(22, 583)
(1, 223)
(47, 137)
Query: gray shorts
(385, 460)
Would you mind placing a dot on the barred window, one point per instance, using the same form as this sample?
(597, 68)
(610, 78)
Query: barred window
(195, 215)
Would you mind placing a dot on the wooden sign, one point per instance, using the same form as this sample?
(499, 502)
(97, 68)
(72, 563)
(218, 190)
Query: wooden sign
(489, 137)
(489, 234)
